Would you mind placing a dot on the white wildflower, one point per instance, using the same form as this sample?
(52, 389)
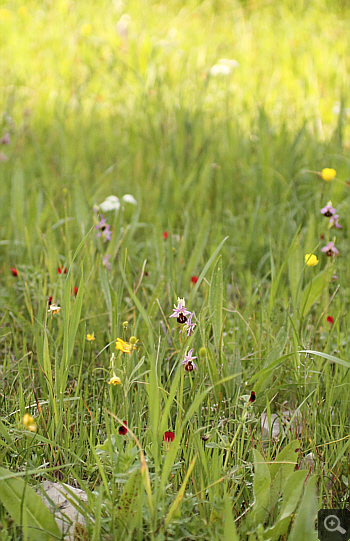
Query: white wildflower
(111, 203)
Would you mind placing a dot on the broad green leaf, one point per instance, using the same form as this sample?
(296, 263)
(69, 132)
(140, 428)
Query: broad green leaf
(26, 507)
(215, 300)
(282, 467)
(128, 504)
(304, 524)
(291, 495)
(261, 489)
(4, 433)
(230, 533)
(292, 492)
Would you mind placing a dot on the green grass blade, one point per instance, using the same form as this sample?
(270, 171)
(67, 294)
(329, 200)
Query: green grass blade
(215, 301)
(331, 358)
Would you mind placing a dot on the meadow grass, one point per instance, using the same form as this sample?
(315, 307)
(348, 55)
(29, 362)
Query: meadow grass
(226, 174)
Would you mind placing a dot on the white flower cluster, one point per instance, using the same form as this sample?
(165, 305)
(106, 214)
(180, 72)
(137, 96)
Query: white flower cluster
(113, 202)
(225, 66)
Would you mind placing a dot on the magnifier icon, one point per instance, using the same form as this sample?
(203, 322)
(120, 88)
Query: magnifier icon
(332, 524)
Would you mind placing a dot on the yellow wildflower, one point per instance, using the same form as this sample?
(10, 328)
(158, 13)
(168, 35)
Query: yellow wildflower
(311, 260)
(29, 422)
(86, 29)
(328, 174)
(4, 14)
(22, 10)
(114, 381)
(90, 337)
(124, 346)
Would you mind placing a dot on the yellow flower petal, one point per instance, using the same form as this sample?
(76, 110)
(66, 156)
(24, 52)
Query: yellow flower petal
(4, 14)
(124, 346)
(90, 337)
(114, 381)
(29, 422)
(328, 174)
(22, 10)
(86, 29)
(311, 260)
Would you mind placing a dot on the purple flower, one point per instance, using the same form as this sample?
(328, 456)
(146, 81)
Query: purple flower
(6, 139)
(189, 361)
(105, 261)
(103, 229)
(3, 157)
(328, 210)
(101, 224)
(106, 233)
(333, 220)
(189, 326)
(180, 312)
(330, 250)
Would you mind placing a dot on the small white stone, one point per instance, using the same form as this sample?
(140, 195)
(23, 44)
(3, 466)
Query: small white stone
(56, 498)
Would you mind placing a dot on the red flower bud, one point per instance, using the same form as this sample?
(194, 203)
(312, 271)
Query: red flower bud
(123, 429)
(168, 436)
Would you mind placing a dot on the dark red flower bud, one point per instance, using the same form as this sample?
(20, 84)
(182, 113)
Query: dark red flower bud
(123, 429)
(168, 436)
(14, 272)
(252, 397)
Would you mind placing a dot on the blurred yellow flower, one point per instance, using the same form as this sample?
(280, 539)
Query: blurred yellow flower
(86, 29)
(328, 174)
(114, 381)
(90, 337)
(22, 10)
(4, 14)
(124, 346)
(29, 422)
(311, 260)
